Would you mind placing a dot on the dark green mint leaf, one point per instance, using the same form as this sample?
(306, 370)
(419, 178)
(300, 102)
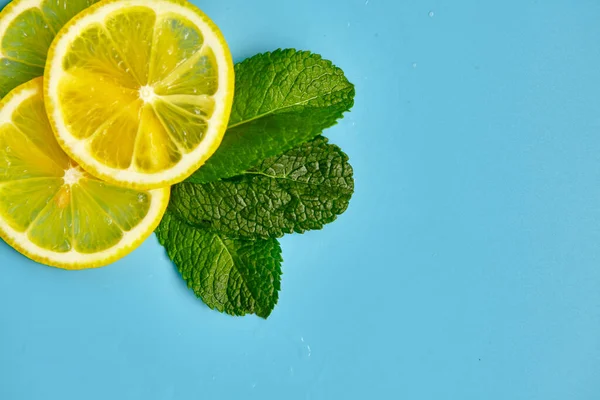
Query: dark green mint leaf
(282, 99)
(235, 276)
(302, 189)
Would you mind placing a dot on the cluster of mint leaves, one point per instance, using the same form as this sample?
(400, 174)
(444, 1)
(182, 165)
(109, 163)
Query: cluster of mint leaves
(273, 174)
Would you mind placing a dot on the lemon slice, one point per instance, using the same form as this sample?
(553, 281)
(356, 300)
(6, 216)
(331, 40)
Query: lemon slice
(27, 28)
(139, 92)
(53, 211)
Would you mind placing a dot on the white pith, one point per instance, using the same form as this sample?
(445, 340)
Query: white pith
(147, 94)
(79, 148)
(72, 176)
(74, 259)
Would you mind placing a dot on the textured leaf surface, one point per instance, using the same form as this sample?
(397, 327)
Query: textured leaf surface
(282, 99)
(302, 189)
(235, 276)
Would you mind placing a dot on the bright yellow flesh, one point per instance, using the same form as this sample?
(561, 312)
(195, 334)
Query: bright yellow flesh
(27, 28)
(140, 92)
(53, 211)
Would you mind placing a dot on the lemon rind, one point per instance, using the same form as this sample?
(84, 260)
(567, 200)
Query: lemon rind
(76, 148)
(74, 260)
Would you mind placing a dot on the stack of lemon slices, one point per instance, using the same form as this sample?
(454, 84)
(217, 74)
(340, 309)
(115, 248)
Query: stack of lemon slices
(104, 107)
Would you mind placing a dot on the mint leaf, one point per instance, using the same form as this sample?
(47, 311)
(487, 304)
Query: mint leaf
(232, 275)
(302, 189)
(282, 99)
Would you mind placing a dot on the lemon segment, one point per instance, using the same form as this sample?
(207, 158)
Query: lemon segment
(23, 200)
(139, 92)
(27, 28)
(53, 211)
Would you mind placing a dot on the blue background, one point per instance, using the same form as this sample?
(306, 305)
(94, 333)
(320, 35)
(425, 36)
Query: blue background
(467, 266)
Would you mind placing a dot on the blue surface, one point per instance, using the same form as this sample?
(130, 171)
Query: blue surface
(467, 266)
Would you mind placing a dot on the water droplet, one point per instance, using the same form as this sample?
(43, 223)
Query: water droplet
(141, 198)
(431, 14)
(414, 65)
(306, 350)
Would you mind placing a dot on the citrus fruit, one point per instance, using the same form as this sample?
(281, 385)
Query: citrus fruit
(139, 92)
(27, 28)
(53, 211)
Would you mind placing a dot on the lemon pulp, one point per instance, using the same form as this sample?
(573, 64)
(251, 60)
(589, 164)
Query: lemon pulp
(51, 209)
(139, 92)
(27, 28)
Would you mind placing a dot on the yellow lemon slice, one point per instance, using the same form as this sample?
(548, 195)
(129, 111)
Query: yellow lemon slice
(27, 28)
(53, 211)
(139, 92)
